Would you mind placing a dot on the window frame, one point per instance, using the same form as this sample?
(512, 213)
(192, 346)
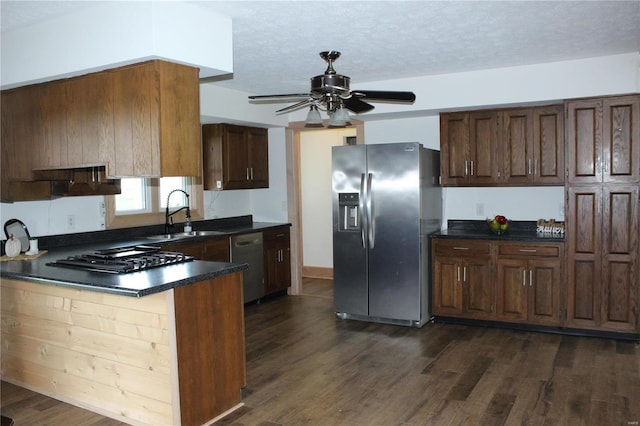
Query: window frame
(157, 216)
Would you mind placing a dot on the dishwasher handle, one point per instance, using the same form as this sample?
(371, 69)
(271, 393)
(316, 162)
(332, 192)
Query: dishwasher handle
(246, 243)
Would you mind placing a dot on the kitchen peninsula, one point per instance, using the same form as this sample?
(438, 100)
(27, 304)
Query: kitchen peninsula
(160, 346)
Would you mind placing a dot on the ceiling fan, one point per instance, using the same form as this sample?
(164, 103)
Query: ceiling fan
(330, 92)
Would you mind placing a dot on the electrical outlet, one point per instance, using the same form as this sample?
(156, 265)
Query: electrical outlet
(480, 209)
(101, 209)
(71, 221)
(561, 209)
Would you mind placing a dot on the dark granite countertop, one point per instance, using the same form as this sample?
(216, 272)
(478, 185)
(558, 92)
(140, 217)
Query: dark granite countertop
(135, 284)
(479, 230)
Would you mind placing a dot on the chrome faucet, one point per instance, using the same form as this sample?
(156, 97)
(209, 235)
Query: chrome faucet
(168, 217)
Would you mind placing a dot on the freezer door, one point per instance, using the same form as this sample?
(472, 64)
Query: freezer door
(394, 252)
(350, 293)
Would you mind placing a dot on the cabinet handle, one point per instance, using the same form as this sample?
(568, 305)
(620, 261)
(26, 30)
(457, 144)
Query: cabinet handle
(472, 174)
(535, 167)
(530, 277)
(458, 274)
(529, 165)
(464, 274)
(247, 173)
(524, 278)
(466, 169)
(528, 250)
(251, 173)
(461, 248)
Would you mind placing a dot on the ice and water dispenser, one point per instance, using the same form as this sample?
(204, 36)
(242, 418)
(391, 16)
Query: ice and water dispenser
(349, 208)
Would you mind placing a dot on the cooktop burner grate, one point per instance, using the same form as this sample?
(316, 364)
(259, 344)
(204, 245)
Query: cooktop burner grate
(122, 260)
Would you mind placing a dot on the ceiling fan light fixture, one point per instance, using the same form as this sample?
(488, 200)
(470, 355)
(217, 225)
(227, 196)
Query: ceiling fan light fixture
(313, 117)
(339, 118)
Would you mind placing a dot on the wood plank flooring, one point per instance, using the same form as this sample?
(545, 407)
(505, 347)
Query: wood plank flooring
(306, 367)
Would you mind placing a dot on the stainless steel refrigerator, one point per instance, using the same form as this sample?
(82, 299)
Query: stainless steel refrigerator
(386, 201)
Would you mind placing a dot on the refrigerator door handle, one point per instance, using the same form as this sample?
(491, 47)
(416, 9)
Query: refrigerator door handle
(361, 210)
(370, 228)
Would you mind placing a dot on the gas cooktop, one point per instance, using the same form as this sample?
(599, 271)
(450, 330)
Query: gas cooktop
(122, 260)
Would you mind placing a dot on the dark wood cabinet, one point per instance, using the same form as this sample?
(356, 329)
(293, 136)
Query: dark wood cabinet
(533, 146)
(277, 259)
(603, 169)
(603, 267)
(529, 278)
(514, 147)
(235, 157)
(603, 140)
(469, 148)
(462, 279)
(214, 249)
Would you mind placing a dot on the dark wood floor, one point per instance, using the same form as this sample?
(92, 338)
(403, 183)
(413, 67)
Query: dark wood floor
(306, 367)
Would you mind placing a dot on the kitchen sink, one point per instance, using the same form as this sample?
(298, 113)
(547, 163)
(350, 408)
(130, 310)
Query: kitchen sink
(182, 235)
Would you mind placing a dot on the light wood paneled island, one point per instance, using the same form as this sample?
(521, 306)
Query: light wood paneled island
(172, 357)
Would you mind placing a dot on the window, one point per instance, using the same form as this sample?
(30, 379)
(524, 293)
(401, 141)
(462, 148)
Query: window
(143, 201)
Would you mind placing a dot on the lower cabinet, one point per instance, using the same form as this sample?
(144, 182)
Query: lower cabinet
(498, 281)
(462, 282)
(213, 249)
(528, 283)
(277, 259)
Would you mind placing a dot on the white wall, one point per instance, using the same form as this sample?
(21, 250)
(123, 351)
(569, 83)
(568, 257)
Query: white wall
(115, 33)
(316, 194)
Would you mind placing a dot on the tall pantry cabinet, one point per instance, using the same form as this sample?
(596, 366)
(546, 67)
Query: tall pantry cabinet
(602, 193)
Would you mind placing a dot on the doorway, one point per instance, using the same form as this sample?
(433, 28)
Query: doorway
(316, 242)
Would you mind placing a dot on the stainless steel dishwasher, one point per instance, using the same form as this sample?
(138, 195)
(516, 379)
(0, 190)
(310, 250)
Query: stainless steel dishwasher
(247, 248)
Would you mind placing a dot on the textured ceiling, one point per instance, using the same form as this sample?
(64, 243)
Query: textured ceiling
(276, 43)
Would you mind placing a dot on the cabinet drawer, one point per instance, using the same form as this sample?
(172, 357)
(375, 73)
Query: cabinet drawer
(462, 247)
(529, 250)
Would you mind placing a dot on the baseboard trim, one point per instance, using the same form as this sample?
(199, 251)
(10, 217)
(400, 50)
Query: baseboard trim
(317, 272)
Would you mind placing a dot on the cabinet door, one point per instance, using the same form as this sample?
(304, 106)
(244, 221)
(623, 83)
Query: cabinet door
(478, 288)
(258, 157)
(136, 142)
(179, 119)
(90, 121)
(621, 139)
(544, 291)
(277, 259)
(584, 260)
(511, 290)
(517, 147)
(620, 269)
(191, 248)
(216, 249)
(454, 143)
(483, 147)
(53, 118)
(235, 152)
(548, 145)
(447, 286)
(584, 141)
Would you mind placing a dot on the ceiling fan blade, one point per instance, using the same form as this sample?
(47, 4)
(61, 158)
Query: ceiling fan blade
(279, 97)
(356, 105)
(295, 106)
(382, 95)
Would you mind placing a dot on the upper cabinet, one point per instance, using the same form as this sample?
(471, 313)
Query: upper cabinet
(469, 148)
(603, 136)
(521, 146)
(532, 141)
(235, 157)
(141, 120)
